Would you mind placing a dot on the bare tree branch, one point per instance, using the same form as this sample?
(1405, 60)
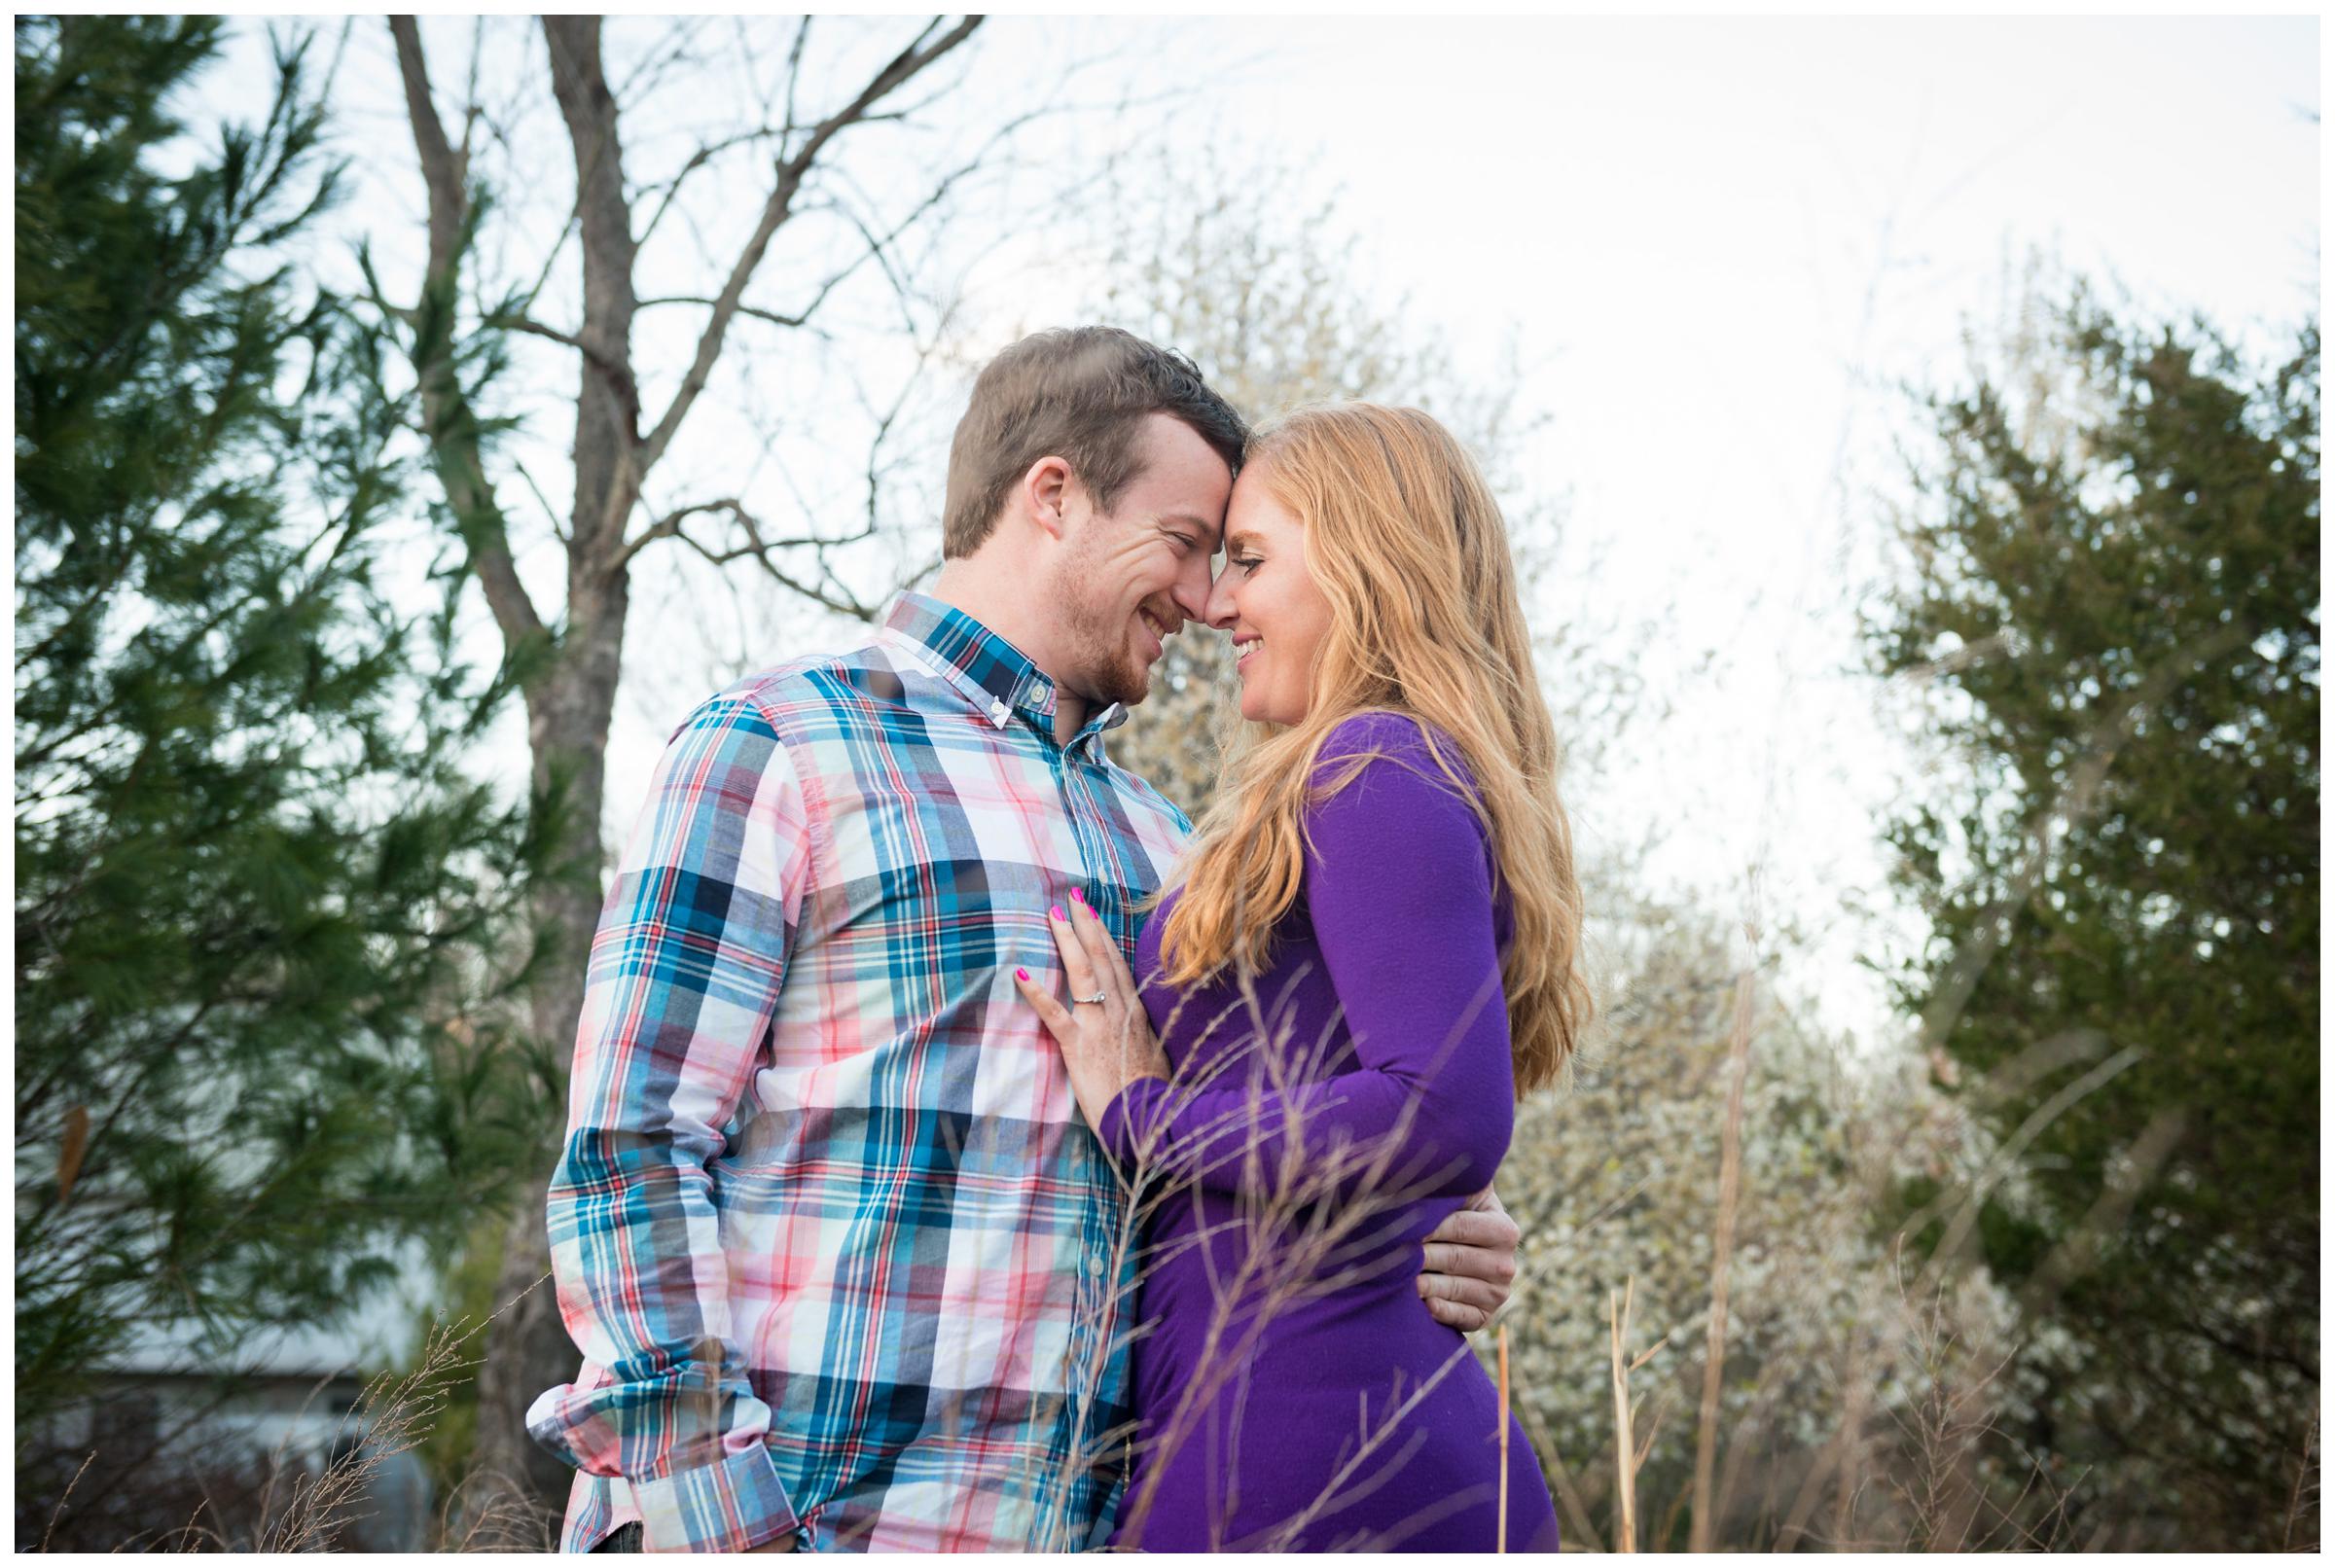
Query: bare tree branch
(519, 321)
(704, 154)
(759, 550)
(441, 171)
(550, 258)
(794, 70)
(668, 526)
(451, 425)
(551, 514)
(773, 317)
(903, 68)
(607, 445)
(682, 41)
(876, 246)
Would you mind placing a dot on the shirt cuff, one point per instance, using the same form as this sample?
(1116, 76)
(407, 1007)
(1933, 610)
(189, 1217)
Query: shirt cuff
(729, 1505)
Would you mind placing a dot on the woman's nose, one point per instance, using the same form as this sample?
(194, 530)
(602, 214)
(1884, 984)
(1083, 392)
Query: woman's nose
(1220, 607)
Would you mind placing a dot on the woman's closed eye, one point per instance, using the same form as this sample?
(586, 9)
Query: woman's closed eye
(1246, 563)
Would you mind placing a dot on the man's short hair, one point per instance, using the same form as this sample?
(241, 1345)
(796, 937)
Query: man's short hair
(1080, 394)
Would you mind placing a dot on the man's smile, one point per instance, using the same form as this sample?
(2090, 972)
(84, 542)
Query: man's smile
(1159, 629)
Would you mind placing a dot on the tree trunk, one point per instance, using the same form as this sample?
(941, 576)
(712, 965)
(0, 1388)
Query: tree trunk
(567, 730)
(571, 700)
(527, 1348)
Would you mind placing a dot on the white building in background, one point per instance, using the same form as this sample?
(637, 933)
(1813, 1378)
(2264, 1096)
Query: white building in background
(301, 1410)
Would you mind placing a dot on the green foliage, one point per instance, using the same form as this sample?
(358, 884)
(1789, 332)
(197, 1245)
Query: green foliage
(2115, 592)
(261, 913)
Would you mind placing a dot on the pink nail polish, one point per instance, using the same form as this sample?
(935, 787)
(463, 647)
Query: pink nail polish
(1056, 912)
(1021, 974)
(1077, 896)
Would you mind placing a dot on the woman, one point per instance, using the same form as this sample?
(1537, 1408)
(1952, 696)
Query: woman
(1369, 950)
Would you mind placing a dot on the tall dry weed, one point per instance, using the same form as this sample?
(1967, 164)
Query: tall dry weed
(1314, 1214)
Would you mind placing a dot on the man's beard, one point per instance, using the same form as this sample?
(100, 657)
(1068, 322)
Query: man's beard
(1102, 667)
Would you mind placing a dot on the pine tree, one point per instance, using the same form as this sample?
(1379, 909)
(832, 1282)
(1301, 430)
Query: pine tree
(261, 911)
(2115, 590)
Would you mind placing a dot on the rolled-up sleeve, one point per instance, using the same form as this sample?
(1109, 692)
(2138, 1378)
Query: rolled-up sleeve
(684, 977)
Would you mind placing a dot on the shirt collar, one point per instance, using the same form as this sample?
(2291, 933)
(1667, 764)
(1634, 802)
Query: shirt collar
(992, 674)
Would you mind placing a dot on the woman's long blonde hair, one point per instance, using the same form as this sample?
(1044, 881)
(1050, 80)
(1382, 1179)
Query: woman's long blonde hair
(1406, 544)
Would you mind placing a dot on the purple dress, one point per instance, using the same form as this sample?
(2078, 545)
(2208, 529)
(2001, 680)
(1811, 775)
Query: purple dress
(1291, 1390)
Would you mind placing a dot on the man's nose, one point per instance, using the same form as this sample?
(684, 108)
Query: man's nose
(1191, 591)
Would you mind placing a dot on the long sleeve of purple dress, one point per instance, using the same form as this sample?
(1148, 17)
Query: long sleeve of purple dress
(1398, 884)
(1292, 1391)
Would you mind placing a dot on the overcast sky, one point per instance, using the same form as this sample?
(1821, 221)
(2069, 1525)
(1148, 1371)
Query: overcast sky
(1720, 247)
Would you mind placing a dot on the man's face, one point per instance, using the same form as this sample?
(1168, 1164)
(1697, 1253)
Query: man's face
(1129, 581)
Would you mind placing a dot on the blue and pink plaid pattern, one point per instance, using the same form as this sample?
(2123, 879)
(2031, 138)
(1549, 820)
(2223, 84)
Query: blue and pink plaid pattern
(842, 1257)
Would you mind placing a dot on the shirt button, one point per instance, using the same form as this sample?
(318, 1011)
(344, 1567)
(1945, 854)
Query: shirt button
(999, 713)
(1094, 1264)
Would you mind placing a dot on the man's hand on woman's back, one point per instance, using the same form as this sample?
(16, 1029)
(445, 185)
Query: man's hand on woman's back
(1471, 1264)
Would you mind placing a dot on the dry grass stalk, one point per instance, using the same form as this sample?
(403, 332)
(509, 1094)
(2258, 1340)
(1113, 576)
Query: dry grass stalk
(1946, 1496)
(497, 1513)
(1841, 1458)
(2303, 1470)
(1308, 1220)
(1502, 1544)
(59, 1512)
(395, 1414)
(1764, 1399)
(1722, 1250)
(1628, 1455)
(1579, 1531)
(300, 1512)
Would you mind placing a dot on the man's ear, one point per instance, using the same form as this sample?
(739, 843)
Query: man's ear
(1044, 493)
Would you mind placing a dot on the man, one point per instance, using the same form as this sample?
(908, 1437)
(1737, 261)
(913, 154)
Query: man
(846, 1268)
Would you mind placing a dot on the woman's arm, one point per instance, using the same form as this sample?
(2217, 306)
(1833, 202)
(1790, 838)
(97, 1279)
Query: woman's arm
(1399, 884)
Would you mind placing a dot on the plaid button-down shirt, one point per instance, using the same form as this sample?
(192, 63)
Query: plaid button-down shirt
(840, 1255)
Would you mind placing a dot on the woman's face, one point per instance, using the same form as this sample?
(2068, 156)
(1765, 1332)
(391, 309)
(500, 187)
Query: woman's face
(1266, 597)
